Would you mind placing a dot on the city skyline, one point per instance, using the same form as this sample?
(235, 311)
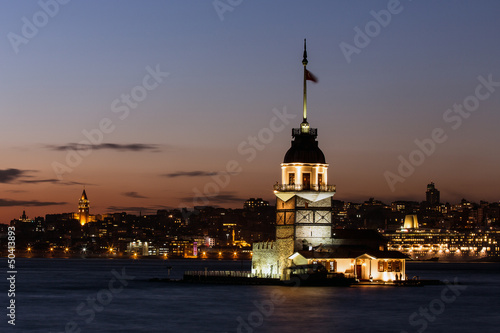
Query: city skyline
(188, 104)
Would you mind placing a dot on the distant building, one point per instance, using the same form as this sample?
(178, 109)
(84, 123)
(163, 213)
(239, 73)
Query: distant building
(432, 195)
(449, 245)
(83, 215)
(411, 222)
(24, 218)
(83, 209)
(138, 247)
(253, 203)
(209, 241)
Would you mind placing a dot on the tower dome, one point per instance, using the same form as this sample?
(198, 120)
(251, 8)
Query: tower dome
(304, 148)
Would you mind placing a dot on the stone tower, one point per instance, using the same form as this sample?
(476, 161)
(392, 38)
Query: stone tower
(303, 200)
(83, 208)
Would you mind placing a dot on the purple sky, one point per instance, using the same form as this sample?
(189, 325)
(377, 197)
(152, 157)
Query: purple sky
(228, 68)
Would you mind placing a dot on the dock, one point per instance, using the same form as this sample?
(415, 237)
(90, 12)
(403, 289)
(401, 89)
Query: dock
(246, 278)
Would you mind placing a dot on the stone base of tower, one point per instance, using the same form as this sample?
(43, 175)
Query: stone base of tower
(270, 259)
(303, 222)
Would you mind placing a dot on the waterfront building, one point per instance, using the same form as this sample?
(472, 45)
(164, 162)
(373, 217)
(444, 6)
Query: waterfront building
(448, 245)
(253, 203)
(138, 247)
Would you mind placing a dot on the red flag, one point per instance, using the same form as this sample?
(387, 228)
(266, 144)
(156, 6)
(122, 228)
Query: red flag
(311, 77)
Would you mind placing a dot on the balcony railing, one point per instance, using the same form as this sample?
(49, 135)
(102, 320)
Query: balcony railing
(298, 131)
(300, 187)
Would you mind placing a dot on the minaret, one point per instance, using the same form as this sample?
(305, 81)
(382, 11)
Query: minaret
(304, 198)
(24, 218)
(83, 208)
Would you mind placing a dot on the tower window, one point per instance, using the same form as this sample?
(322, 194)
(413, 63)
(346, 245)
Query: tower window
(291, 179)
(320, 179)
(306, 181)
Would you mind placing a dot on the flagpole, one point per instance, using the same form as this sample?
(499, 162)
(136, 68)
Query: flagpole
(305, 126)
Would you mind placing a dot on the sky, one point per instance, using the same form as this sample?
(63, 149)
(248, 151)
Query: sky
(165, 104)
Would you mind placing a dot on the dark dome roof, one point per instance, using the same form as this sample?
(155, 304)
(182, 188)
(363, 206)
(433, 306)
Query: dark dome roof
(304, 150)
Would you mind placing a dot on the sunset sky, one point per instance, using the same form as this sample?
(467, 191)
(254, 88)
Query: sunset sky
(204, 77)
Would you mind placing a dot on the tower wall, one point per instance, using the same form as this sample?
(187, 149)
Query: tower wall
(264, 259)
(285, 248)
(308, 222)
(311, 236)
(270, 259)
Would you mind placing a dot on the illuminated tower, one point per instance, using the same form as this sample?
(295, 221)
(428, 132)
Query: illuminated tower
(304, 198)
(83, 208)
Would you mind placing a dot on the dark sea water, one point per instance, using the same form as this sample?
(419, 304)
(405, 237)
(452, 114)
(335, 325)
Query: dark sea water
(99, 295)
